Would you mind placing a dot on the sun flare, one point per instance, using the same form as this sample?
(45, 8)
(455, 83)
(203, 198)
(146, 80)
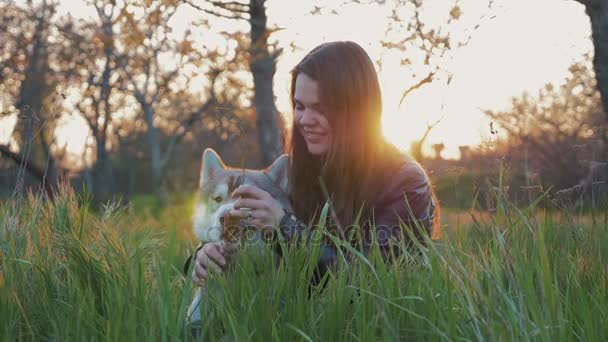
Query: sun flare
(486, 73)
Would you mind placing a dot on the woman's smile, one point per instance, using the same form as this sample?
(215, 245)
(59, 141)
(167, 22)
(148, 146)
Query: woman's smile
(314, 137)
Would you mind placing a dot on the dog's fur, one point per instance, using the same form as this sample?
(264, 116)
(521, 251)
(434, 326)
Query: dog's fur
(217, 182)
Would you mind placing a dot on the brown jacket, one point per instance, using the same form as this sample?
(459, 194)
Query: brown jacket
(406, 196)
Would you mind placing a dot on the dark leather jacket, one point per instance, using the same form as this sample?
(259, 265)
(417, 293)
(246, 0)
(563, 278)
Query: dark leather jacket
(407, 196)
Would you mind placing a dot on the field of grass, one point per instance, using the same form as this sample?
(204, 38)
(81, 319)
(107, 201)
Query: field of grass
(68, 272)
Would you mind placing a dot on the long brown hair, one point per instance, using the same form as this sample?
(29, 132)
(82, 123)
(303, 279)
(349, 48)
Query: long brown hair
(352, 167)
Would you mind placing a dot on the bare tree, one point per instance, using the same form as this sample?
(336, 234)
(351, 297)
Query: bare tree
(262, 64)
(132, 81)
(153, 68)
(28, 79)
(98, 87)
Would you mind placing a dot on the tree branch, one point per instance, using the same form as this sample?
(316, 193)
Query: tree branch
(427, 79)
(586, 2)
(417, 147)
(232, 6)
(192, 118)
(17, 158)
(185, 125)
(214, 13)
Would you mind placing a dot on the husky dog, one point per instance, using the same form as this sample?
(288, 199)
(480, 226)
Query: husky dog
(217, 182)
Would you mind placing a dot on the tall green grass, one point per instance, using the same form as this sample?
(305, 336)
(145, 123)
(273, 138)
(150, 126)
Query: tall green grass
(71, 274)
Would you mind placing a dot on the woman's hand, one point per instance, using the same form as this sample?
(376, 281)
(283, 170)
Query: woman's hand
(265, 212)
(213, 256)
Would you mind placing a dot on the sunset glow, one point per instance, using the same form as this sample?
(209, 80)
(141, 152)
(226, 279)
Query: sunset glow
(507, 55)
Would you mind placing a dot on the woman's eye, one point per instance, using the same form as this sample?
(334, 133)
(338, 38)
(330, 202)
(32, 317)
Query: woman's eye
(218, 199)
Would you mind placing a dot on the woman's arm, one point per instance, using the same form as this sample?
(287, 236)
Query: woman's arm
(294, 232)
(408, 197)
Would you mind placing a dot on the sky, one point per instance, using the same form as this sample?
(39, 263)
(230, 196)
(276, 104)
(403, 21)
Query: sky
(520, 46)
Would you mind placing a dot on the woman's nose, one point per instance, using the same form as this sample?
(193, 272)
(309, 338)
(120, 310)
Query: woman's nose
(307, 118)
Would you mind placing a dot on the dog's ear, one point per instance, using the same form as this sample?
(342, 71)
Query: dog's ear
(212, 163)
(279, 171)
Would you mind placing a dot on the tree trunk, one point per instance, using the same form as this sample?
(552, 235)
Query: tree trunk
(598, 14)
(153, 140)
(155, 153)
(30, 105)
(102, 170)
(263, 68)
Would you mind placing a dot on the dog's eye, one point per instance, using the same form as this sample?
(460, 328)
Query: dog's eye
(218, 199)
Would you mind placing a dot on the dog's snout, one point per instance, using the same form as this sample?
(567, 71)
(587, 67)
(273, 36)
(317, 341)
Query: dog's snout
(224, 214)
(224, 218)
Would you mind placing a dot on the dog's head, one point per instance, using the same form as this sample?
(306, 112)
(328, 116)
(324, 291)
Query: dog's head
(217, 182)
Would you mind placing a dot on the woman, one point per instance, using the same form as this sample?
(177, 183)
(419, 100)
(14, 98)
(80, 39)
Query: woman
(337, 149)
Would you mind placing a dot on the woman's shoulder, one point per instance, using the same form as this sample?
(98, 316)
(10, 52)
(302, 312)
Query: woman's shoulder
(406, 176)
(407, 172)
(408, 187)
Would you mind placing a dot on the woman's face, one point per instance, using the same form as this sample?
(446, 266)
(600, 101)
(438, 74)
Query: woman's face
(309, 116)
